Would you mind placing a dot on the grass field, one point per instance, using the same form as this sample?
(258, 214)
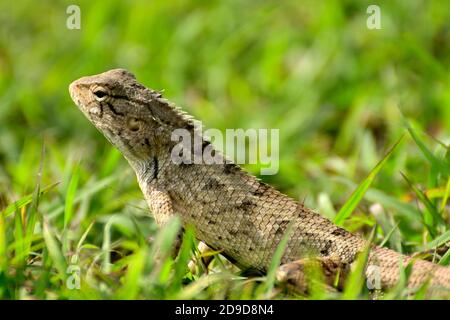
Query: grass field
(73, 223)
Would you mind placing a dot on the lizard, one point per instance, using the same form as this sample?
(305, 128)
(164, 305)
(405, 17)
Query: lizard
(232, 211)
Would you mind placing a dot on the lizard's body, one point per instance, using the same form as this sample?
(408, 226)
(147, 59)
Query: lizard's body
(231, 210)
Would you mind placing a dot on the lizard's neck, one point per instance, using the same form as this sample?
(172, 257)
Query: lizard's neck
(158, 164)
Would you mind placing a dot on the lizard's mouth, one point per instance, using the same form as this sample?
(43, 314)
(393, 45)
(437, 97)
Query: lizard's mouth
(75, 92)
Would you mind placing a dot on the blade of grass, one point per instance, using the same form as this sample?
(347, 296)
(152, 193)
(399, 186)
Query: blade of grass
(358, 194)
(357, 278)
(106, 246)
(88, 191)
(434, 161)
(83, 237)
(445, 260)
(183, 258)
(445, 197)
(390, 233)
(375, 195)
(163, 246)
(19, 241)
(111, 160)
(26, 200)
(70, 195)
(3, 246)
(267, 287)
(33, 214)
(400, 290)
(192, 290)
(54, 250)
(439, 241)
(431, 216)
(130, 283)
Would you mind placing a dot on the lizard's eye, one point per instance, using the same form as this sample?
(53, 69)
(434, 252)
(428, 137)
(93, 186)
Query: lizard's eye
(133, 124)
(100, 94)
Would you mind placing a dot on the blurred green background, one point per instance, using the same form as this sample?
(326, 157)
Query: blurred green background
(334, 88)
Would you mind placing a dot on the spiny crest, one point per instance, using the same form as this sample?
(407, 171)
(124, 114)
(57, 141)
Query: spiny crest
(172, 115)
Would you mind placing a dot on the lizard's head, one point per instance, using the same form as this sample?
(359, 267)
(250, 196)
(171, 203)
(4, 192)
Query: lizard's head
(119, 107)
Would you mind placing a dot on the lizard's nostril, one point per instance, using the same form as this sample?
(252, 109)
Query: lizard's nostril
(74, 86)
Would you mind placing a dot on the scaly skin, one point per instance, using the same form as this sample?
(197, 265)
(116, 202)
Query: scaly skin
(231, 210)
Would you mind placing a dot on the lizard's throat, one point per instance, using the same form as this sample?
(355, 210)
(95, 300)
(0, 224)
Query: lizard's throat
(136, 159)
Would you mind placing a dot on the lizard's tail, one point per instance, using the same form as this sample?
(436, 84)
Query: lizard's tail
(384, 270)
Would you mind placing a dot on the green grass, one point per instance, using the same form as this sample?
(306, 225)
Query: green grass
(341, 95)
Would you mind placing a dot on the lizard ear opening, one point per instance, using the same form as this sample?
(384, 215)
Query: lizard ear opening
(133, 124)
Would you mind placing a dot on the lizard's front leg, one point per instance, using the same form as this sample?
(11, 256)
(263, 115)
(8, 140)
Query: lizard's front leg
(160, 205)
(205, 258)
